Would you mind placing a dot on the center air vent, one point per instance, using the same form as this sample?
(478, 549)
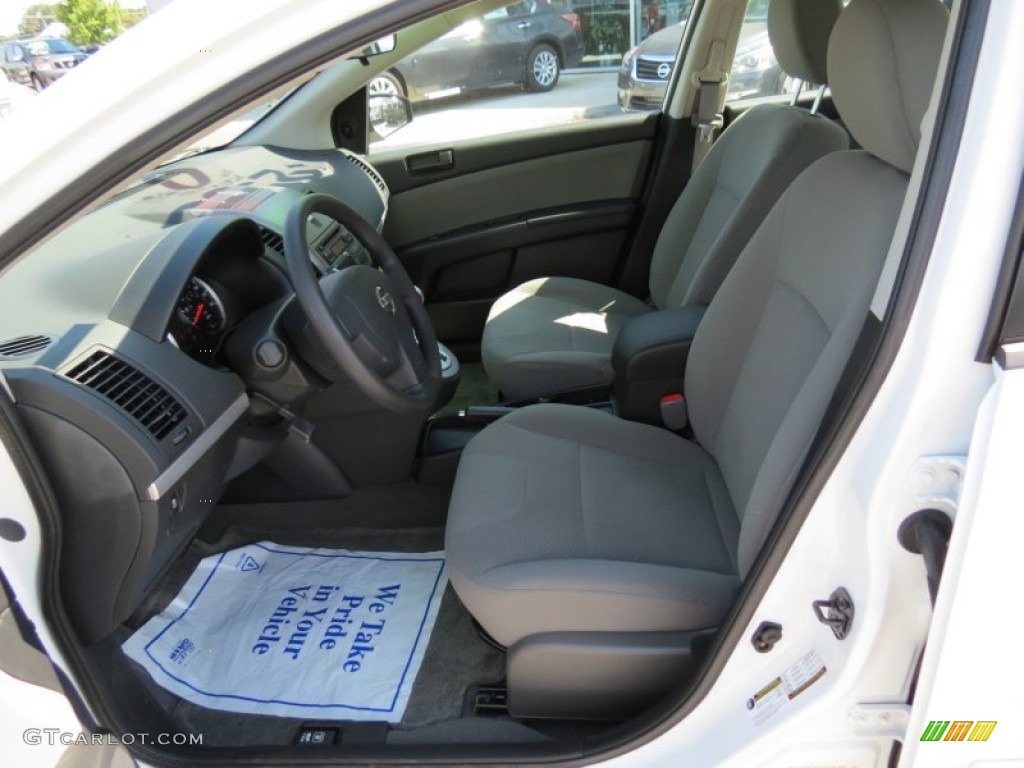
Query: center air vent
(24, 346)
(272, 240)
(131, 390)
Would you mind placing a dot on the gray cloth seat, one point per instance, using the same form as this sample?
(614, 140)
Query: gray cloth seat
(556, 334)
(618, 551)
(570, 520)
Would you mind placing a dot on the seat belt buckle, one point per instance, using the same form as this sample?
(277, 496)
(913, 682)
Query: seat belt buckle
(706, 118)
(673, 411)
(706, 132)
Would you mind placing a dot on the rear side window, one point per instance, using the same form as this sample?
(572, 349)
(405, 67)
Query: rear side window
(647, 68)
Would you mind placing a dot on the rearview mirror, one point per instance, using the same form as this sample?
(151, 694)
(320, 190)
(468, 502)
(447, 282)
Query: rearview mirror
(385, 45)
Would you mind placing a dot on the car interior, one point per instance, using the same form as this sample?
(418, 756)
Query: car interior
(585, 373)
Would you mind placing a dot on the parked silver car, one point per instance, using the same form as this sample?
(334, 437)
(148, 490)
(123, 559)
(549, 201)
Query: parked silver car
(646, 69)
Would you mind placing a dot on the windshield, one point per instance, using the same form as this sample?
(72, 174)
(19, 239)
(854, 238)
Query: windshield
(224, 135)
(45, 47)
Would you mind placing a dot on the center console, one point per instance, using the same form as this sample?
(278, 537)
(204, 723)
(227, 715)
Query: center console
(649, 360)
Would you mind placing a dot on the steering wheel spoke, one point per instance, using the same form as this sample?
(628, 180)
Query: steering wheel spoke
(371, 322)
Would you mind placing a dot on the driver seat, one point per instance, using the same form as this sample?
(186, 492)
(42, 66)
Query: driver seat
(597, 550)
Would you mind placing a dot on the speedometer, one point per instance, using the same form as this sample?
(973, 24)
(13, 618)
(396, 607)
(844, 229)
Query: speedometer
(201, 308)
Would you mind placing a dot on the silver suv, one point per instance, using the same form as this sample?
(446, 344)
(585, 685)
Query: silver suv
(37, 62)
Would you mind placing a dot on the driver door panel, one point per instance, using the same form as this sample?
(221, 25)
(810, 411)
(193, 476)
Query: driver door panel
(557, 202)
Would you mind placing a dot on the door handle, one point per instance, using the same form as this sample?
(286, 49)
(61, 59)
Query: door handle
(431, 162)
(524, 25)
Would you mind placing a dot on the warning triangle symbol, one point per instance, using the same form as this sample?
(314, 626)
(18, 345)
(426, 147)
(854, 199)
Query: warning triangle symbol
(249, 564)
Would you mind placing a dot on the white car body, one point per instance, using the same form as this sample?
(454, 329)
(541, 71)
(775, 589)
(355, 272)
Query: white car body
(936, 401)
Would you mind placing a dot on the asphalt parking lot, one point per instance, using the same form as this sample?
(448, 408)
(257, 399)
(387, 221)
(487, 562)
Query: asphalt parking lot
(578, 96)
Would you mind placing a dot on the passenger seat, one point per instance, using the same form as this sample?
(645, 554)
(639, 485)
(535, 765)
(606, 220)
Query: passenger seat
(555, 334)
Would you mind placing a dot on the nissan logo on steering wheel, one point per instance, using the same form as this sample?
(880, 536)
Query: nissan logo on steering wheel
(384, 299)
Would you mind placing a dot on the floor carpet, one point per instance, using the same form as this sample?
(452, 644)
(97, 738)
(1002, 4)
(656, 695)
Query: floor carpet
(474, 389)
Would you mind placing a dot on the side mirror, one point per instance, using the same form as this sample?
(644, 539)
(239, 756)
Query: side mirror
(388, 113)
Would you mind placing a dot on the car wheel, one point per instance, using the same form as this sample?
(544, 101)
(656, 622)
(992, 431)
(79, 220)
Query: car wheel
(37, 84)
(385, 84)
(542, 68)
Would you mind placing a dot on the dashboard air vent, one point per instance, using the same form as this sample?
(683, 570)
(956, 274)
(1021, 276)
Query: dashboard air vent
(272, 240)
(24, 346)
(131, 390)
(370, 171)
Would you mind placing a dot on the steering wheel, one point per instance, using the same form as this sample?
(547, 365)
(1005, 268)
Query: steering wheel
(371, 323)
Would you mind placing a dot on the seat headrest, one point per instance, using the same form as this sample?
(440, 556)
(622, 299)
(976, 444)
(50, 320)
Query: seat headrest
(799, 32)
(882, 62)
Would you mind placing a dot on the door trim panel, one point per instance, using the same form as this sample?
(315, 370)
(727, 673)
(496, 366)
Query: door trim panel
(463, 271)
(490, 152)
(601, 173)
(426, 258)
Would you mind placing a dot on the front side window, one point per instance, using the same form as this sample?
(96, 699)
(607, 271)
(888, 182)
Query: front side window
(537, 63)
(527, 65)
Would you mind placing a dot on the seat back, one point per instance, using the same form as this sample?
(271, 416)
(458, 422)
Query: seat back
(749, 167)
(774, 342)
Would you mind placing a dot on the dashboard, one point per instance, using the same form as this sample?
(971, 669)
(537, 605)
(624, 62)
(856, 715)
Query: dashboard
(201, 310)
(112, 349)
(235, 277)
(332, 246)
(200, 320)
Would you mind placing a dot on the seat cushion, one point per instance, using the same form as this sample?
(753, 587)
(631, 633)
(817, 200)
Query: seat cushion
(566, 518)
(554, 334)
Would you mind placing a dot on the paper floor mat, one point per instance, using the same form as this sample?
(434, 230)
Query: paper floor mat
(307, 633)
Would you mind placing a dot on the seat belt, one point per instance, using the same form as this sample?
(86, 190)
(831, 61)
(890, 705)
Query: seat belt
(705, 116)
